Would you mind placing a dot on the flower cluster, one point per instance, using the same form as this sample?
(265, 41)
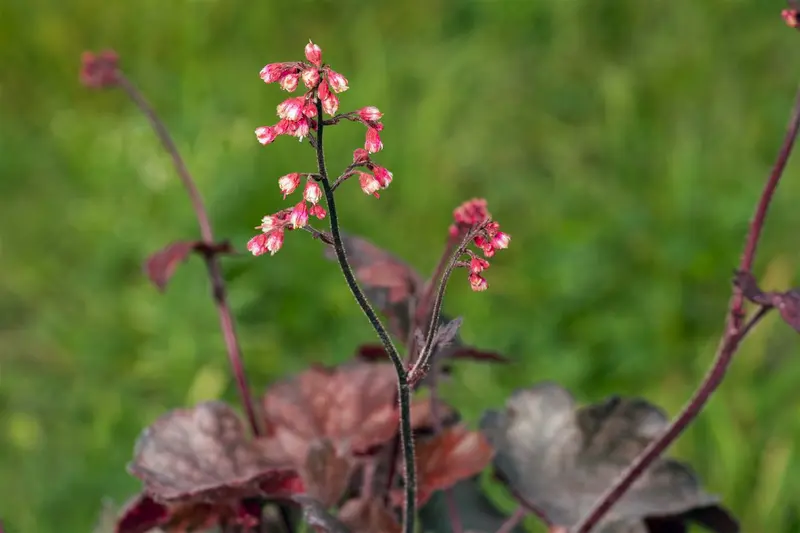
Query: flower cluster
(473, 217)
(298, 117)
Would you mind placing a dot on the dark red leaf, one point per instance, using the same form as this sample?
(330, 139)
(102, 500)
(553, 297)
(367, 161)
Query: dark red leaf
(788, 305)
(204, 454)
(561, 458)
(376, 352)
(326, 472)
(141, 515)
(161, 265)
(353, 406)
(454, 454)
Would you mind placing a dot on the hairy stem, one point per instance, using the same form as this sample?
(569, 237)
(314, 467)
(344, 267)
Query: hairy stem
(213, 266)
(731, 338)
(404, 390)
(509, 525)
(422, 363)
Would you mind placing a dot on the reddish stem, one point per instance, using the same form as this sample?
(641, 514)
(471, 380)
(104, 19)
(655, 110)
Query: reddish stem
(212, 261)
(731, 338)
(509, 525)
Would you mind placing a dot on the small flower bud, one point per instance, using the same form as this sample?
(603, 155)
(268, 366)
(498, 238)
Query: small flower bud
(500, 240)
(337, 81)
(370, 113)
(373, 142)
(360, 155)
(266, 134)
(477, 282)
(99, 70)
(383, 176)
(273, 72)
(298, 218)
(289, 81)
(274, 241)
(289, 183)
(478, 265)
(314, 53)
(268, 223)
(369, 184)
(310, 77)
(317, 211)
(257, 245)
(292, 108)
(312, 192)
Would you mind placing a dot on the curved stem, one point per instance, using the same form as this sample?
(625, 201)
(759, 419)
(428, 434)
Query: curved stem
(732, 336)
(213, 266)
(404, 390)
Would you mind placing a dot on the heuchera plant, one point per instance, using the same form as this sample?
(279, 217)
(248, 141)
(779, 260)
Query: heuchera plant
(353, 448)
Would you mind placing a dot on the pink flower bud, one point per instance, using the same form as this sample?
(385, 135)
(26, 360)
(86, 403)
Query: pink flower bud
(360, 155)
(317, 211)
(301, 128)
(273, 72)
(291, 109)
(312, 192)
(370, 113)
(310, 77)
(298, 218)
(337, 81)
(373, 142)
(266, 134)
(289, 183)
(369, 184)
(268, 223)
(289, 81)
(501, 240)
(477, 282)
(383, 176)
(257, 245)
(314, 53)
(478, 265)
(310, 110)
(274, 241)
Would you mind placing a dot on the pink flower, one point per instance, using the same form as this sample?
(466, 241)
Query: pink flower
(383, 176)
(478, 265)
(292, 109)
(500, 240)
(312, 192)
(370, 113)
(337, 81)
(310, 110)
(266, 134)
(317, 211)
(369, 184)
(274, 241)
(99, 70)
(329, 101)
(274, 72)
(310, 77)
(360, 155)
(314, 53)
(477, 282)
(301, 128)
(471, 212)
(289, 81)
(373, 142)
(289, 183)
(257, 245)
(268, 223)
(298, 218)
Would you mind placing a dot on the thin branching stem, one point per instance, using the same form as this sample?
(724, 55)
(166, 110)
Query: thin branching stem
(732, 336)
(213, 266)
(404, 390)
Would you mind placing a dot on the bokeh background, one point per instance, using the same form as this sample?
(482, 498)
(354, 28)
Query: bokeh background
(622, 143)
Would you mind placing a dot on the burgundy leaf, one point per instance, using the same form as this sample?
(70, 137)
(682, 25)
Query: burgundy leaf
(450, 456)
(353, 406)
(326, 473)
(561, 458)
(141, 515)
(204, 454)
(161, 265)
(788, 305)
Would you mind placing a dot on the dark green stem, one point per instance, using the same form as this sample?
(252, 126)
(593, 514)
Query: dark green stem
(402, 376)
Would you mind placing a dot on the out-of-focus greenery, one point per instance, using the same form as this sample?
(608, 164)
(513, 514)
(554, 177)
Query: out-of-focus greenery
(622, 143)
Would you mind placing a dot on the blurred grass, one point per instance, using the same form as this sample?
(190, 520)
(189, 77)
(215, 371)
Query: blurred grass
(623, 144)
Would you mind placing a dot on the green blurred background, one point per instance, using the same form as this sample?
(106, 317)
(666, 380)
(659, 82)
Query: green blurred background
(622, 143)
